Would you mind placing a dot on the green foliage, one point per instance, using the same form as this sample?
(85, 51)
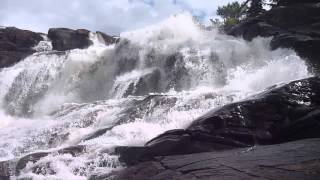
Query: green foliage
(229, 23)
(231, 13)
(234, 12)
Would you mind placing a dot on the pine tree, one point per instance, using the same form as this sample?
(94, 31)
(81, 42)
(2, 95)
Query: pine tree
(231, 10)
(256, 8)
(231, 13)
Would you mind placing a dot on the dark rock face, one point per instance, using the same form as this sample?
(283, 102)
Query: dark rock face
(293, 160)
(288, 2)
(145, 84)
(5, 170)
(16, 44)
(278, 115)
(293, 24)
(14, 167)
(67, 39)
(22, 163)
(106, 39)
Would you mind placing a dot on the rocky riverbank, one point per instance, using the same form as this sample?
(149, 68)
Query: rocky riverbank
(292, 24)
(294, 160)
(16, 44)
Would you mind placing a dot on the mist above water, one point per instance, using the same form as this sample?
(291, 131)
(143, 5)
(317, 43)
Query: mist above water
(155, 79)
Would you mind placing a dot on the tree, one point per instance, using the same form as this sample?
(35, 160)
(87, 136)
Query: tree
(255, 8)
(231, 10)
(231, 13)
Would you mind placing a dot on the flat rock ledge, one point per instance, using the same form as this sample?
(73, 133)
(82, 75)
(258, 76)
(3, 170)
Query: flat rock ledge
(293, 160)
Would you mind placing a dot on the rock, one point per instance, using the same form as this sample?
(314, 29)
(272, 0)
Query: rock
(66, 39)
(106, 39)
(73, 150)
(293, 24)
(293, 160)
(145, 84)
(304, 45)
(14, 167)
(139, 108)
(97, 133)
(171, 143)
(281, 114)
(288, 2)
(34, 157)
(16, 44)
(5, 170)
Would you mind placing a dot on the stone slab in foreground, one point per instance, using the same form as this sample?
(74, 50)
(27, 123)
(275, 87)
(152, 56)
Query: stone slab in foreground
(294, 160)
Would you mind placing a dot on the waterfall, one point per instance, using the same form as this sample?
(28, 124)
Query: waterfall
(155, 79)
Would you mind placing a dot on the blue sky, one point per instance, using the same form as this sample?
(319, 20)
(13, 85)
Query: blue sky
(110, 16)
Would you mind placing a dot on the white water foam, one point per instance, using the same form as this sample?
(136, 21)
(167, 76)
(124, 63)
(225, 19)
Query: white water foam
(44, 45)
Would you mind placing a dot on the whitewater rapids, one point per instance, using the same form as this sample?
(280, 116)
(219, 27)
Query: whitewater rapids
(155, 79)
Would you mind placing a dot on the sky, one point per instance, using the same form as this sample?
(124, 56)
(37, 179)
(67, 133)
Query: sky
(110, 16)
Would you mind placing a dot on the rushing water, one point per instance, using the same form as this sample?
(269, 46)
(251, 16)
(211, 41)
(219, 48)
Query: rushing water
(155, 79)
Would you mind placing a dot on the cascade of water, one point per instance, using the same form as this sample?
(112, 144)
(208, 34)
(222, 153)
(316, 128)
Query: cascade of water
(155, 79)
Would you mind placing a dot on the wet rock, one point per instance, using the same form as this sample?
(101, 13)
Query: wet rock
(288, 2)
(293, 18)
(293, 160)
(140, 108)
(174, 142)
(67, 39)
(5, 170)
(34, 157)
(293, 24)
(106, 39)
(280, 114)
(16, 44)
(97, 133)
(176, 73)
(305, 45)
(145, 84)
(73, 150)
(126, 56)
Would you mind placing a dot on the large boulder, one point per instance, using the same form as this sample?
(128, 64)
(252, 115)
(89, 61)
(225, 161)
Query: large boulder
(293, 24)
(280, 114)
(5, 170)
(67, 39)
(16, 44)
(15, 166)
(293, 160)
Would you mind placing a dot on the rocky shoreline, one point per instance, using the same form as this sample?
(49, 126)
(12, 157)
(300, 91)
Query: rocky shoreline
(294, 160)
(16, 44)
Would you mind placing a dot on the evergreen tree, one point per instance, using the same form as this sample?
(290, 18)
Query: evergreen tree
(255, 8)
(231, 14)
(231, 10)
